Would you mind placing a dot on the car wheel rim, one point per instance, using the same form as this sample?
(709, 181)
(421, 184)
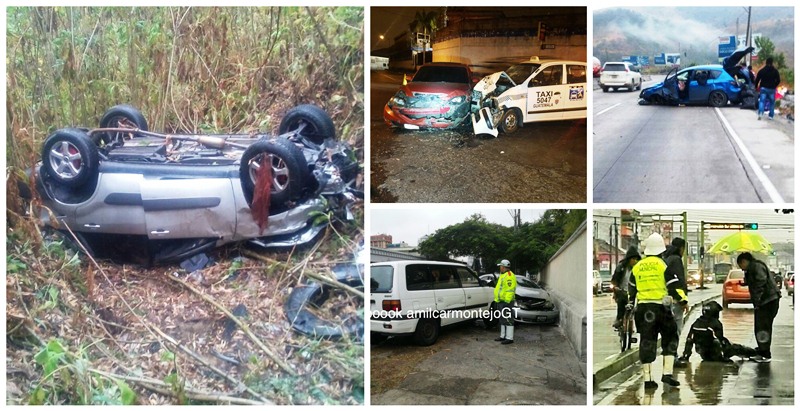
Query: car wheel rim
(280, 172)
(66, 160)
(511, 121)
(716, 99)
(120, 122)
(427, 330)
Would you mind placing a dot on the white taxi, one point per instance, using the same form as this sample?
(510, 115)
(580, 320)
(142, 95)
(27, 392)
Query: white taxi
(532, 91)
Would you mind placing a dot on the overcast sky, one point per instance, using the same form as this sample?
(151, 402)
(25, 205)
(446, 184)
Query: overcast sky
(773, 226)
(409, 225)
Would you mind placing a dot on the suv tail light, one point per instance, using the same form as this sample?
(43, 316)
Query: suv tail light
(391, 305)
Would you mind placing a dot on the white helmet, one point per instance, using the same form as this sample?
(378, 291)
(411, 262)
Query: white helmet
(504, 263)
(654, 245)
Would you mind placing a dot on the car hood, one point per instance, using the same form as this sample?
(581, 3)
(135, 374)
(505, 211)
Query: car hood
(730, 62)
(489, 83)
(533, 293)
(448, 89)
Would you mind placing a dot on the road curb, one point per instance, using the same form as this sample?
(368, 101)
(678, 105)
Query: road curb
(624, 360)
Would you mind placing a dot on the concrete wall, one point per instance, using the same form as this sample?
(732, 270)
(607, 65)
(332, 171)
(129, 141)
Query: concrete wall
(485, 54)
(565, 276)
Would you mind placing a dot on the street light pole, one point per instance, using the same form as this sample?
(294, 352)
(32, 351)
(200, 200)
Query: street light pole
(685, 252)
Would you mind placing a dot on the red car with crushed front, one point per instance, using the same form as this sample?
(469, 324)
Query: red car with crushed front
(438, 96)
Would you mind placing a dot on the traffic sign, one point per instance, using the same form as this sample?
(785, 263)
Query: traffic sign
(731, 226)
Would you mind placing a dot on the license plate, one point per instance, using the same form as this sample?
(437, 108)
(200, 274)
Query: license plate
(541, 318)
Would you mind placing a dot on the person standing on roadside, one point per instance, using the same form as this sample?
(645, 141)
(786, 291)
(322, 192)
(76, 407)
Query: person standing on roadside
(765, 297)
(620, 281)
(504, 295)
(767, 79)
(673, 257)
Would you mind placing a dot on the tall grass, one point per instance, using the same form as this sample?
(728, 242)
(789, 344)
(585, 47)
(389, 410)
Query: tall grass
(187, 69)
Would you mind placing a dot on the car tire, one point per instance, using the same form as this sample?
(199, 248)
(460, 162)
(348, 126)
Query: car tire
(724, 303)
(632, 86)
(427, 332)
(69, 156)
(289, 173)
(128, 115)
(717, 99)
(318, 124)
(377, 338)
(605, 89)
(509, 123)
(640, 85)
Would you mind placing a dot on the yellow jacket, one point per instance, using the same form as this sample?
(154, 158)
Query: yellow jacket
(506, 288)
(650, 282)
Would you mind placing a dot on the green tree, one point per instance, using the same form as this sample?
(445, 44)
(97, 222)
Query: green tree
(767, 49)
(424, 21)
(529, 247)
(473, 237)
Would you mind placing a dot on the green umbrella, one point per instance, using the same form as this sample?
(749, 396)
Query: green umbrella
(742, 241)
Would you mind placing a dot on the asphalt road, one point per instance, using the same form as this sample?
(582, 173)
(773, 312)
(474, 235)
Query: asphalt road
(707, 383)
(605, 341)
(691, 154)
(541, 163)
(466, 366)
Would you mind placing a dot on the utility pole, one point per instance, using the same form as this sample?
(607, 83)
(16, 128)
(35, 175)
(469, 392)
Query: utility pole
(702, 255)
(685, 254)
(749, 37)
(616, 242)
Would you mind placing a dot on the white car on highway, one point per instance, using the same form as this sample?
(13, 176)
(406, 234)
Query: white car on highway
(617, 75)
(532, 91)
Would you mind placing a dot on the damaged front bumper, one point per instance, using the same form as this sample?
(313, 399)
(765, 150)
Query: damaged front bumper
(445, 116)
(483, 122)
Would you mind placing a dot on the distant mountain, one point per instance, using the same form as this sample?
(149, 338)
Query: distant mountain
(692, 31)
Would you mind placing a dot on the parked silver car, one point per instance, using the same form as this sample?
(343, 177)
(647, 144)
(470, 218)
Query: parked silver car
(533, 304)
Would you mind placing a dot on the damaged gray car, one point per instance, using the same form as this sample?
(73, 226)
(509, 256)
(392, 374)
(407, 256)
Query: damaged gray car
(182, 194)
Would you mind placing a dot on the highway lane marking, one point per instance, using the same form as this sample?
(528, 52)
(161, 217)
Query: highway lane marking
(773, 193)
(607, 109)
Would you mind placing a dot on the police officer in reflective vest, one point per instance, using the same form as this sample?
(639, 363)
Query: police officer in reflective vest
(654, 294)
(504, 295)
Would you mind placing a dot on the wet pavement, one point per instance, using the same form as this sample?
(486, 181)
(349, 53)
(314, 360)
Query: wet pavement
(706, 383)
(605, 342)
(729, 154)
(466, 366)
(542, 162)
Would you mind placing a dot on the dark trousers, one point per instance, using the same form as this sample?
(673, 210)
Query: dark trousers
(652, 320)
(506, 313)
(762, 326)
(718, 352)
(621, 297)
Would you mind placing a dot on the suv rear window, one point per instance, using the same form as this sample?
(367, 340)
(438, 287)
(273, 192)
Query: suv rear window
(418, 278)
(380, 279)
(614, 67)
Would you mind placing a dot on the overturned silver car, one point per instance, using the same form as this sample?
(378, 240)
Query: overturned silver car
(181, 194)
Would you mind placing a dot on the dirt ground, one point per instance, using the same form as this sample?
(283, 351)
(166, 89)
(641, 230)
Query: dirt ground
(466, 366)
(144, 323)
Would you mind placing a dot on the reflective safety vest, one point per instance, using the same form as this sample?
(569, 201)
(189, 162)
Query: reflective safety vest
(649, 276)
(506, 288)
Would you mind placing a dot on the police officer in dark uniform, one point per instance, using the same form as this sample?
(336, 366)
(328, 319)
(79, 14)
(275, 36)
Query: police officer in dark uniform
(707, 336)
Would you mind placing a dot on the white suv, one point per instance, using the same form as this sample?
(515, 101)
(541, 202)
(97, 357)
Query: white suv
(616, 75)
(419, 297)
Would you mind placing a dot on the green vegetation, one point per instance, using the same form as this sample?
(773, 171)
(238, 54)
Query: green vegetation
(528, 246)
(202, 70)
(767, 50)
